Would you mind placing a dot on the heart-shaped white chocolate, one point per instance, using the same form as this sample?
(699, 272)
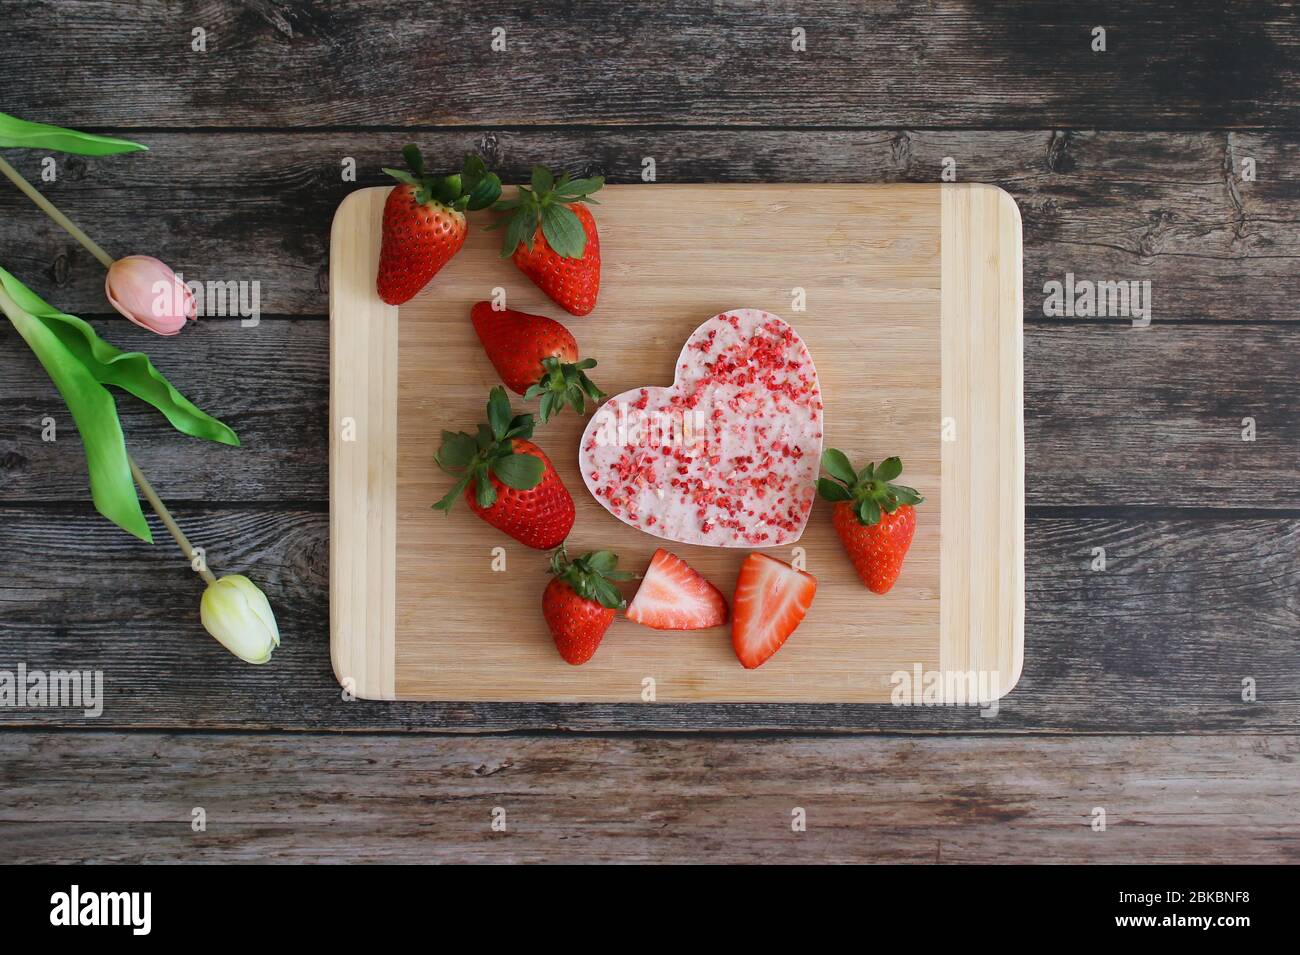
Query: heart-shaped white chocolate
(728, 455)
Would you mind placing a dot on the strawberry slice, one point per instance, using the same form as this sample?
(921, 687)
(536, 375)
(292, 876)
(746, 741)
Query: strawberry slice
(673, 596)
(770, 601)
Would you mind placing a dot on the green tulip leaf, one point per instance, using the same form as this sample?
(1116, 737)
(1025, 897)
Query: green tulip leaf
(18, 133)
(80, 364)
(130, 371)
(95, 414)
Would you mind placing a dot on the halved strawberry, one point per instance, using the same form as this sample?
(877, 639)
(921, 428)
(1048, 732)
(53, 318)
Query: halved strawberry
(770, 601)
(673, 596)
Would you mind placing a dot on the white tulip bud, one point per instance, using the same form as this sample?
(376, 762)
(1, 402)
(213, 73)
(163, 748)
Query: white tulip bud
(235, 612)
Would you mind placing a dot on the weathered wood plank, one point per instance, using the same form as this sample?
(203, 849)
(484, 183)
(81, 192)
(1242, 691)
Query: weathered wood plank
(888, 799)
(1157, 207)
(1113, 415)
(270, 383)
(385, 62)
(1161, 640)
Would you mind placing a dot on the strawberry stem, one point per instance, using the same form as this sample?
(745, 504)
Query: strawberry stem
(564, 383)
(473, 188)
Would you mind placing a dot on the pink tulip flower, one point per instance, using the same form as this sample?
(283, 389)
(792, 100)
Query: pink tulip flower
(150, 294)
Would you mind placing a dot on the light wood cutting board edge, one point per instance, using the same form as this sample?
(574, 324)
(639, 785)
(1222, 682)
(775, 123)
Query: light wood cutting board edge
(982, 525)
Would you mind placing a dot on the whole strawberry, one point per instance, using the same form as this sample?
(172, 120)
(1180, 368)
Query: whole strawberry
(424, 222)
(875, 519)
(536, 357)
(553, 240)
(580, 601)
(506, 479)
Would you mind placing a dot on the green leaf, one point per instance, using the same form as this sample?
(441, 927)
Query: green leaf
(484, 492)
(889, 469)
(563, 231)
(454, 494)
(869, 512)
(520, 229)
(457, 451)
(578, 188)
(906, 495)
(411, 153)
(542, 180)
(474, 168)
(18, 133)
(498, 412)
(837, 465)
(546, 409)
(602, 561)
(589, 386)
(519, 471)
(130, 371)
(606, 593)
(402, 176)
(111, 486)
(832, 490)
(521, 426)
(484, 192)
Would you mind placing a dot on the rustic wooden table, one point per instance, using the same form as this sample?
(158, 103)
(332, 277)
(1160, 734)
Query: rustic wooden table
(1170, 156)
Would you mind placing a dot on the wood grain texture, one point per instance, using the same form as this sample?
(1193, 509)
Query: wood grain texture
(269, 383)
(104, 798)
(1114, 416)
(363, 426)
(1140, 206)
(1194, 598)
(1167, 64)
(672, 256)
(1187, 608)
(982, 437)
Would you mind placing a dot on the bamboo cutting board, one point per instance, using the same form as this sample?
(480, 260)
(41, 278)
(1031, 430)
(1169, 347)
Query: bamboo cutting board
(911, 298)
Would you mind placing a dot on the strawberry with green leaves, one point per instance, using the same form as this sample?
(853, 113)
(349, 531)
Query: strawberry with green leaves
(580, 602)
(424, 222)
(506, 479)
(536, 357)
(874, 519)
(552, 237)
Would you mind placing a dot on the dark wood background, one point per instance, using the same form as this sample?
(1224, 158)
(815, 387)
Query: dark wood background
(1125, 165)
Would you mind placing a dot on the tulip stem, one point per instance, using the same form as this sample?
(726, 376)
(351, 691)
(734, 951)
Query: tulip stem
(49, 209)
(169, 522)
